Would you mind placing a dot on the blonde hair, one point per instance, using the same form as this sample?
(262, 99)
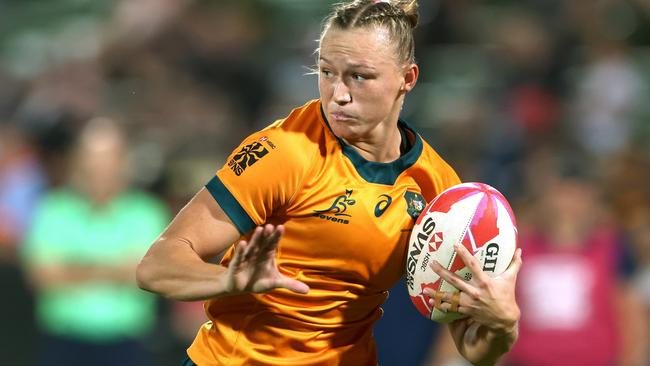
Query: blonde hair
(399, 17)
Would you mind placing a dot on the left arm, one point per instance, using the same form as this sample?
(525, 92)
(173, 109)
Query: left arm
(491, 326)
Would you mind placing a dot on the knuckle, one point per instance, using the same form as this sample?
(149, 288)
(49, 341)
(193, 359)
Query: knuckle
(483, 282)
(486, 288)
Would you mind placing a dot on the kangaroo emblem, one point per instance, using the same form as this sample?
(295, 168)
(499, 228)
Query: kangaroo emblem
(340, 204)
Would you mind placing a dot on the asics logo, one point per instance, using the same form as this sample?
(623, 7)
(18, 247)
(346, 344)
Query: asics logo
(383, 204)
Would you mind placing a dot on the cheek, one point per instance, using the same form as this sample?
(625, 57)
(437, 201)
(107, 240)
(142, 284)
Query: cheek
(377, 97)
(324, 89)
(380, 90)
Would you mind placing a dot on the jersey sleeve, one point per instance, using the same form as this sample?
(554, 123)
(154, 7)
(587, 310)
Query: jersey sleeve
(261, 176)
(443, 176)
(449, 177)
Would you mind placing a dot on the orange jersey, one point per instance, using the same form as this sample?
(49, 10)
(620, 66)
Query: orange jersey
(347, 224)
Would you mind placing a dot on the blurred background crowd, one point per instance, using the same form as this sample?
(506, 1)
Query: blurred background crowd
(114, 113)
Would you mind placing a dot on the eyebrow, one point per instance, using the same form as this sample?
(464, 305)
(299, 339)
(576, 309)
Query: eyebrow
(364, 66)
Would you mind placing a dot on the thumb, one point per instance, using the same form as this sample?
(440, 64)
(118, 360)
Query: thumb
(292, 285)
(515, 265)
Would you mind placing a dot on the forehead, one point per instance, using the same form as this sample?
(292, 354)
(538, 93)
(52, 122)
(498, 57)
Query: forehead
(371, 46)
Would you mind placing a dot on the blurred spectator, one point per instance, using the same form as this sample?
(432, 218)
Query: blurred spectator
(627, 188)
(609, 84)
(578, 306)
(605, 101)
(21, 184)
(81, 253)
(578, 302)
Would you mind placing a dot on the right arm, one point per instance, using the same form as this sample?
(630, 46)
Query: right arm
(175, 266)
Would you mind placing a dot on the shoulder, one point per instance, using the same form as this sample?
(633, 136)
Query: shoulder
(61, 199)
(289, 141)
(59, 211)
(141, 201)
(141, 213)
(302, 126)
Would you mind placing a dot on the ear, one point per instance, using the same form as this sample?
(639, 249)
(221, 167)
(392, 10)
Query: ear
(411, 73)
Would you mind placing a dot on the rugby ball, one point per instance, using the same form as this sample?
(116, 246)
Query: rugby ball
(473, 214)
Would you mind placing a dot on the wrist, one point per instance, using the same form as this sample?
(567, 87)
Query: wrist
(510, 324)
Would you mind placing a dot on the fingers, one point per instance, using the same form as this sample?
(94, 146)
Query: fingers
(253, 243)
(446, 307)
(452, 278)
(237, 257)
(271, 235)
(267, 249)
(274, 237)
(448, 301)
(471, 262)
(455, 302)
(436, 299)
(263, 241)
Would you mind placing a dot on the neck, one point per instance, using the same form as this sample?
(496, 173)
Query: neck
(382, 143)
(99, 191)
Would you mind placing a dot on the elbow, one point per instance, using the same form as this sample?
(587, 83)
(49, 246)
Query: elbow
(161, 272)
(143, 275)
(150, 277)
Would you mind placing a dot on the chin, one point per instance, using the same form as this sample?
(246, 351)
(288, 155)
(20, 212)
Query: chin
(343, 129)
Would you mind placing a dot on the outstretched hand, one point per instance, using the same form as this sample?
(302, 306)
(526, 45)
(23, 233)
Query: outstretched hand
(253, 267)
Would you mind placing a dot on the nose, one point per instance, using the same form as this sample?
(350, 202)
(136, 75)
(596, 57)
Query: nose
(342, 93)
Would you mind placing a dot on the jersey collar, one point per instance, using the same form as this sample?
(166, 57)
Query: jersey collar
(380, 173)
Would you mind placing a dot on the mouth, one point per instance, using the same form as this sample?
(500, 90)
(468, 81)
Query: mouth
(340, 116)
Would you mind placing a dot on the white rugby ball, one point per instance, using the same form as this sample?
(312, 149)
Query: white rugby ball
(473, 214)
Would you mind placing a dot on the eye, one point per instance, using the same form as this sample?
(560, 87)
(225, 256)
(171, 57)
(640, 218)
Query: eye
(359, 77)
(325, 72)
